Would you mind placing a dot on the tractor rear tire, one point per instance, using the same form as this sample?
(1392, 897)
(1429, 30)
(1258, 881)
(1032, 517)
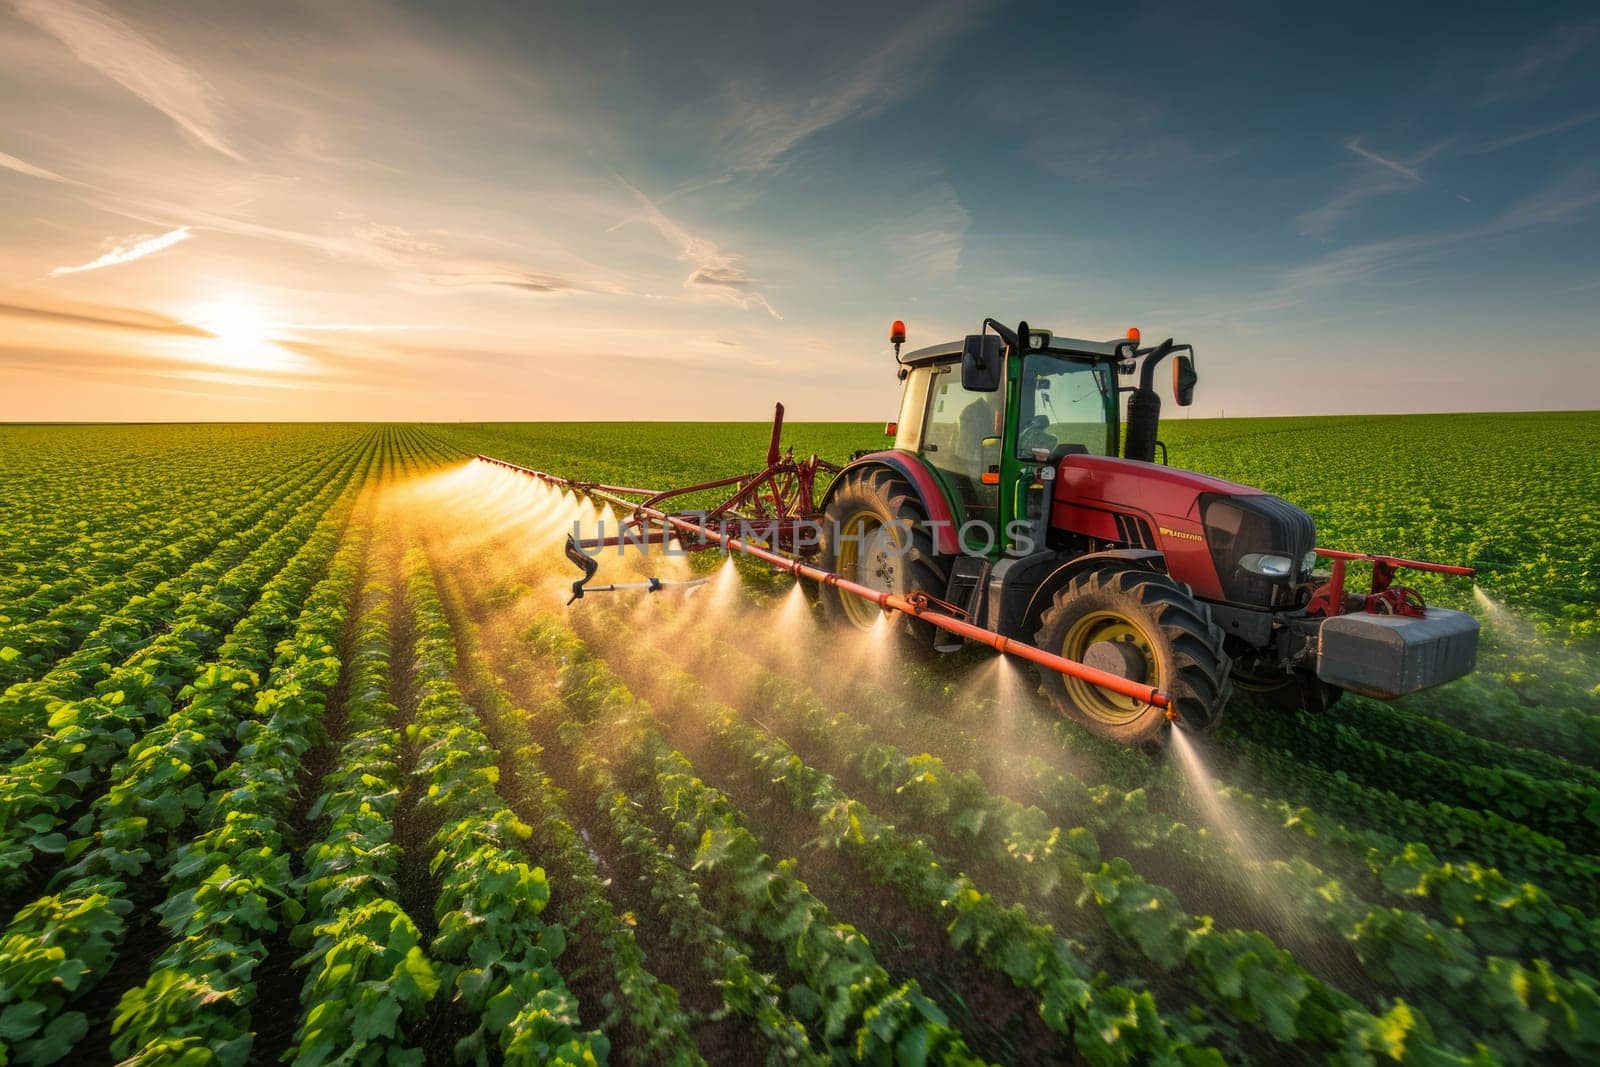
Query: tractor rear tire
(876, 533)
(1144, 625)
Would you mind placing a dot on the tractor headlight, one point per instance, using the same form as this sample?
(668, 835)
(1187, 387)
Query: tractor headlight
(1256, 542)
(1309, 563)
(1268, 566)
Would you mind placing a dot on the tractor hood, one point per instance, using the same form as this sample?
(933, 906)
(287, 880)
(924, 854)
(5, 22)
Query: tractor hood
(1210, 529)
(1091, 473)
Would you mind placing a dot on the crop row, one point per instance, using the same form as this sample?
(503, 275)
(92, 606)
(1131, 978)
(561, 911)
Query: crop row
(1106, 1023)
(44, 627)
(1523, 698)
(490, 899)
(161, 783)
(1461, 834)
(1399, 728)
(860, 1009)
(368, 977)
(1559, 808)
(1444, 961)
(1241, 973)
(40, 790)
(229, 887)
(76, 498)
(646, 1007)
(196, 602)
(1502, 916)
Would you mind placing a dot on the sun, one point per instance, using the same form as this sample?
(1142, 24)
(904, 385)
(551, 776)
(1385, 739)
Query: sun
(236, 324)
(241, 334)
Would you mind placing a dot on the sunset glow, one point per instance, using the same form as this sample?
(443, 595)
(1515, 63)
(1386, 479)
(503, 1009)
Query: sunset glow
(510, 211)
(242, 336)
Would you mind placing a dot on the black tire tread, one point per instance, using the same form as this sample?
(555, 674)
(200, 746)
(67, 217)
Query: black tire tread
(1202, 685)
(928, 571)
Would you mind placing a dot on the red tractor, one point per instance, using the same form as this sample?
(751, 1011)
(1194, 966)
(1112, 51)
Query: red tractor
(1013, 499)
(1014, 512)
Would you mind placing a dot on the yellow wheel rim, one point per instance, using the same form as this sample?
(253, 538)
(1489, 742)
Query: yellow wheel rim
(1113, 709)
(868, 555)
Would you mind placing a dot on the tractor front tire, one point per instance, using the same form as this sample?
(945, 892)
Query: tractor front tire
(876, 534)
(1140, 624)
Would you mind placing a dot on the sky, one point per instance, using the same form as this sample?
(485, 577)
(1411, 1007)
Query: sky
(526, 211)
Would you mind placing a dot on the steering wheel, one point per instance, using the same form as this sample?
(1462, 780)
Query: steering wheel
(1033, 435)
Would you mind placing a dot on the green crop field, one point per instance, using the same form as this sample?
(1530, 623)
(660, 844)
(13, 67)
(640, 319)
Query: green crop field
(305, 760)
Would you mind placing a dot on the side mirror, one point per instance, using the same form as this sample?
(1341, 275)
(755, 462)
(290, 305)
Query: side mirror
(982, 363)
(1183, 379)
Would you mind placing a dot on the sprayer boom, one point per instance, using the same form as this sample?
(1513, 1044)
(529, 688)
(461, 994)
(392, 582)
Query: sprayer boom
(768, 518)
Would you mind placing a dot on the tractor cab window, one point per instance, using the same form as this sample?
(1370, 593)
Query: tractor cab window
(961, 439)
(1063, 402)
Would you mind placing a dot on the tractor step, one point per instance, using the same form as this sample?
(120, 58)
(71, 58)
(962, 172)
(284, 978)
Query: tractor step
(968, 577)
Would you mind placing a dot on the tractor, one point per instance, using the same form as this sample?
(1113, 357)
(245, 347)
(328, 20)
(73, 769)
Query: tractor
(1015, 498)
(1018, 511)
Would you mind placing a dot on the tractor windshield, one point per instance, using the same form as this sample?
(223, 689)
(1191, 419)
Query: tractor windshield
(1064, 402)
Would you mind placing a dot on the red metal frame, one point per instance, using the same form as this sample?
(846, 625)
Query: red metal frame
(777, 503)
(1385, 598)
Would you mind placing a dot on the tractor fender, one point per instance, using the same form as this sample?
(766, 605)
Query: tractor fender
(922, 481)
(1044, 595)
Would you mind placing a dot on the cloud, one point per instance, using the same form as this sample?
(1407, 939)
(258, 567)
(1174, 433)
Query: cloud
(1392, 176)
(1354, 145)
(719, 273)
(104, 317)
(929, 236)
(1320, 222)
(762, 128)
(540, 283)
(720, 277)
(1562, 202)
(1075, 124)
(366, 327)
(527, 281)
(395, 239)
(120, 52)
(137, 248)
(417, 262)
(24, 167)
(1536, 68)
(1547, 130)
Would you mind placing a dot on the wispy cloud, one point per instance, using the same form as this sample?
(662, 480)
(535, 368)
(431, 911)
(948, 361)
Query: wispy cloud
(366, 327)
(128, 251)
(1390, 176)
(1563, 202)
(22, 166)
(541, 283)
(718, 273)
(763, 128)
(111, 318)
(925, 223)
(1536, 68)
(1087, 128)
(1321, 221)
(120, 52)
(1354, 145)
(1534, 134)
